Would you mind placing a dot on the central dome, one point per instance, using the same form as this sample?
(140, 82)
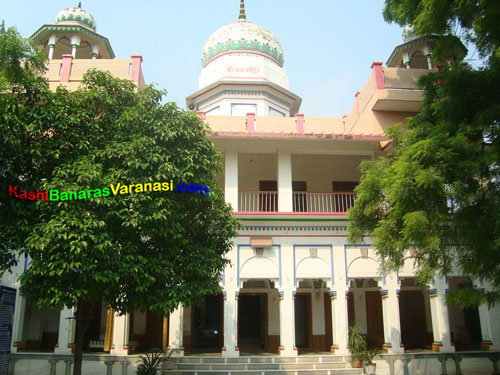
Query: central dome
(76, 16)
(242, 36)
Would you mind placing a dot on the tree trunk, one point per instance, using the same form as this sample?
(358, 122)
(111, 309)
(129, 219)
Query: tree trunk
(82, 322)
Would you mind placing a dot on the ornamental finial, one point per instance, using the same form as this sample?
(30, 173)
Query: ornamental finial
(80, 4)
(242, 10)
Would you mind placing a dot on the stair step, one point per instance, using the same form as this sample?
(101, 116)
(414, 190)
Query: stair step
(260, 366)
(343, 371)
(300, 359)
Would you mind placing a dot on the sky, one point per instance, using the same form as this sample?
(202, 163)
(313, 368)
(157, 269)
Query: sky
(328, 45)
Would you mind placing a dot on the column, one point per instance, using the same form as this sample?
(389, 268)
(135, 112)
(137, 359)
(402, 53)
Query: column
(440, 318)
(231, 178)
(52, 45)
(75, 43)
(230, 348)
(175, 340)
(66, 338)
(390, 311)
(95, 51)
(285, 200)
(340, 324)
(490, 326)
(287, 323)
(333, 299)
(120, 335)
(18, 324)
(428, 53)
(406, 59)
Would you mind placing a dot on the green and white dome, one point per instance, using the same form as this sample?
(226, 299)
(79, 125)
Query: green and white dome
(242, 36)
(76, 16)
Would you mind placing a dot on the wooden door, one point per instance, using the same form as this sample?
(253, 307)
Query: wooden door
(268, 202)
(303, 321)
(350, 309)
(412, 317)
(328, 322)
(374, 319)
(154, 331)
(299, 199)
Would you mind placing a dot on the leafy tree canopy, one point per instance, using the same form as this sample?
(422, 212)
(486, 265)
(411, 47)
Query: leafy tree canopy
(138, 251)
(438, 191)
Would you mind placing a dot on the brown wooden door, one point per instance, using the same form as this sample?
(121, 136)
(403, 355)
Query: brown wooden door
(303, 320)
(412, 316)
(154, 331)
(328, 322)
(374, 319)
(350, 309)
(299, 199)
(268, 202)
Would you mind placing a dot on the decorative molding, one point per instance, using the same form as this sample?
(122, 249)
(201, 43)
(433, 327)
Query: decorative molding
(242, 45)
(291, 228)
(75, 28)
(246, 93)
(431, 293)
(84, 21)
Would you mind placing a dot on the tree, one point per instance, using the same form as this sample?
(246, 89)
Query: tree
(439, 191)
(21, 85)
(149, 250)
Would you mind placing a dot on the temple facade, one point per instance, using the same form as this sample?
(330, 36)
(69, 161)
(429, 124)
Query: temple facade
(295, 284)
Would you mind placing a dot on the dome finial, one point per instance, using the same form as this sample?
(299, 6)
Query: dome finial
(80, 4)
(242, 10)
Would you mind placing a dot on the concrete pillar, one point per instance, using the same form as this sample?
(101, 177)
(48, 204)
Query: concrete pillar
(390, 311)
(75, 43)
(378, 75)
(66, 338)
(429, 62)
(406, 59)
(52, 45)
(135, 71)
(490, 325)
(285, 199)
(175, 334)
(230, 348)
(333, 297)
(440, 318)
(95, 51)
(231, 178)
(287, 323)
(299, 119)
(67, 61)
(120, 335)
(340, 322)
(18, 324)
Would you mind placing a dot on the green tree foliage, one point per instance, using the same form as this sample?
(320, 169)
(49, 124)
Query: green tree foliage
(21, 86)
(439, 191)
(137, 251)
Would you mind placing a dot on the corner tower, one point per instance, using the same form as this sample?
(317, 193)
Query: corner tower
(73, 33)
(242, 71)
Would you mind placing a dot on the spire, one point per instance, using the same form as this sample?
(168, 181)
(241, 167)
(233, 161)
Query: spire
(80, 4)
(242, 10)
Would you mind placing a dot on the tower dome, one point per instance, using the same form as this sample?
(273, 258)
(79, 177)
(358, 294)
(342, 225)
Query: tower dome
(243, 36)
(76, 16)
(408, 33)
(242, 72)
(242, 51)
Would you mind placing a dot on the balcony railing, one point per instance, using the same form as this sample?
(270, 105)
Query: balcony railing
(267, 201)
(323, 202)
(258, 201)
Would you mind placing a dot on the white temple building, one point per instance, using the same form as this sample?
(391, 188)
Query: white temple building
(295, 284)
